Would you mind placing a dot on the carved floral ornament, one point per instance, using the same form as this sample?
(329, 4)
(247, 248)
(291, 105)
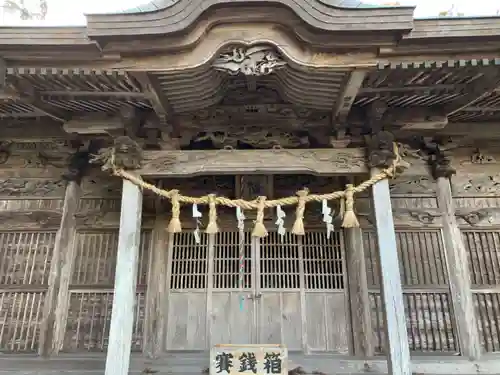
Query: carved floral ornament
(258, 60)
(116, 159)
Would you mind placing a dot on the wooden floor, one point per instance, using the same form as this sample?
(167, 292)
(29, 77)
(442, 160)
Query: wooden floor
(197, 363)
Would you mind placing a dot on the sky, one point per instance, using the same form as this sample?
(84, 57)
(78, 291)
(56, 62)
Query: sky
(60, 14)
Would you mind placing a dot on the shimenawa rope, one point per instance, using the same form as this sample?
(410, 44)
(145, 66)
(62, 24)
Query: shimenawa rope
(261, 203)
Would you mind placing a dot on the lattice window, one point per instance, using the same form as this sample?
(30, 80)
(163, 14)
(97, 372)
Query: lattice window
(279, 262)
(89, 321)
(424, 277)
(323, 260)
(483, 249)
(25, 259)
(189, 262)
(226, 260)
(488, 311)
(429, 322)
(95, 259)
(91, 291)
(484, 257)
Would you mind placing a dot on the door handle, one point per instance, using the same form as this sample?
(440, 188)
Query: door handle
(254, 296)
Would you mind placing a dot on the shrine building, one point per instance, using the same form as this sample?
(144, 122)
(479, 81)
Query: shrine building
(202, 187)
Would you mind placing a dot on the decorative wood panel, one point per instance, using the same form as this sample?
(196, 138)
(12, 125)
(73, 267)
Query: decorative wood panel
(424, 278)
(483, 247)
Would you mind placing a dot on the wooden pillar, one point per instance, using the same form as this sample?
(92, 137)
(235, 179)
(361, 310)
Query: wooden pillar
(398, 352)
(361, 324)
(127, 262)
(155, 320)
(55, 306)
(458, 271)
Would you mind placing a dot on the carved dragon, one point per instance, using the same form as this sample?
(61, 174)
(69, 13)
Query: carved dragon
(252, 61)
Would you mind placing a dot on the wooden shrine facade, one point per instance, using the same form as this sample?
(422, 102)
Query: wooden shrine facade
(245, 99)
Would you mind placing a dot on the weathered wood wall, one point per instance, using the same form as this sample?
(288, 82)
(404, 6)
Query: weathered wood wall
(424, 275)
(476, 195)
(31, 211)
(92, 277)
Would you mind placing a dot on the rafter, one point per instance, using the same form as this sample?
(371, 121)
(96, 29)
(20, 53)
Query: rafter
(26, 94)
(94, 94)
(479, 89)
(377, 116)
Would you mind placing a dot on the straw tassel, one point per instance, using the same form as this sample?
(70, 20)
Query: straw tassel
(212, 226)
(259, 230)
(350, 219)
(175, 223)
(298, 226)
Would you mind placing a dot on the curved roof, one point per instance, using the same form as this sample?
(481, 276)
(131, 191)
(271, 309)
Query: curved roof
(155, 5)
(169, 16)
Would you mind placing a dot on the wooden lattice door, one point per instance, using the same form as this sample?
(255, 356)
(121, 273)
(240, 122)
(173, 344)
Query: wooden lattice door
(204, 303)
(292, 292)
(301, 293)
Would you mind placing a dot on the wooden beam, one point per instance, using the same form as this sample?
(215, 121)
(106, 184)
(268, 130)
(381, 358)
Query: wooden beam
(156, 319)
(358, 294)
(360, 309)
(409, 89)
(398, 352)
(458, 270)
(329, 161)
(346, 99)
(127, 263)
(153, 91)
(177, 364)
(94, 94)
(53, 324)
(481, 109)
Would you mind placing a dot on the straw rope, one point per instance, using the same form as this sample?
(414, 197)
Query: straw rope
(261, 203)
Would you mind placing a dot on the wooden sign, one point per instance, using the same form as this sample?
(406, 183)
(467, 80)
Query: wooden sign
(248, 359)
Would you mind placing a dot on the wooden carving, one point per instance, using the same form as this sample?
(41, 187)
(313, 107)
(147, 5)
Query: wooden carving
(252, 61)
(412, 185)
(475, 217)
(289, 184)
(477, 184)
(105, 219)
(125, 153)
(30, 220)
(478, 157)
(255, 137)
(202, 185)
(405, 217)
(380, 150)
(97, 219)
(101, 186)
(439, 159)
(250, 187)
(315, 161)
(259, 118)
(14, 187)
